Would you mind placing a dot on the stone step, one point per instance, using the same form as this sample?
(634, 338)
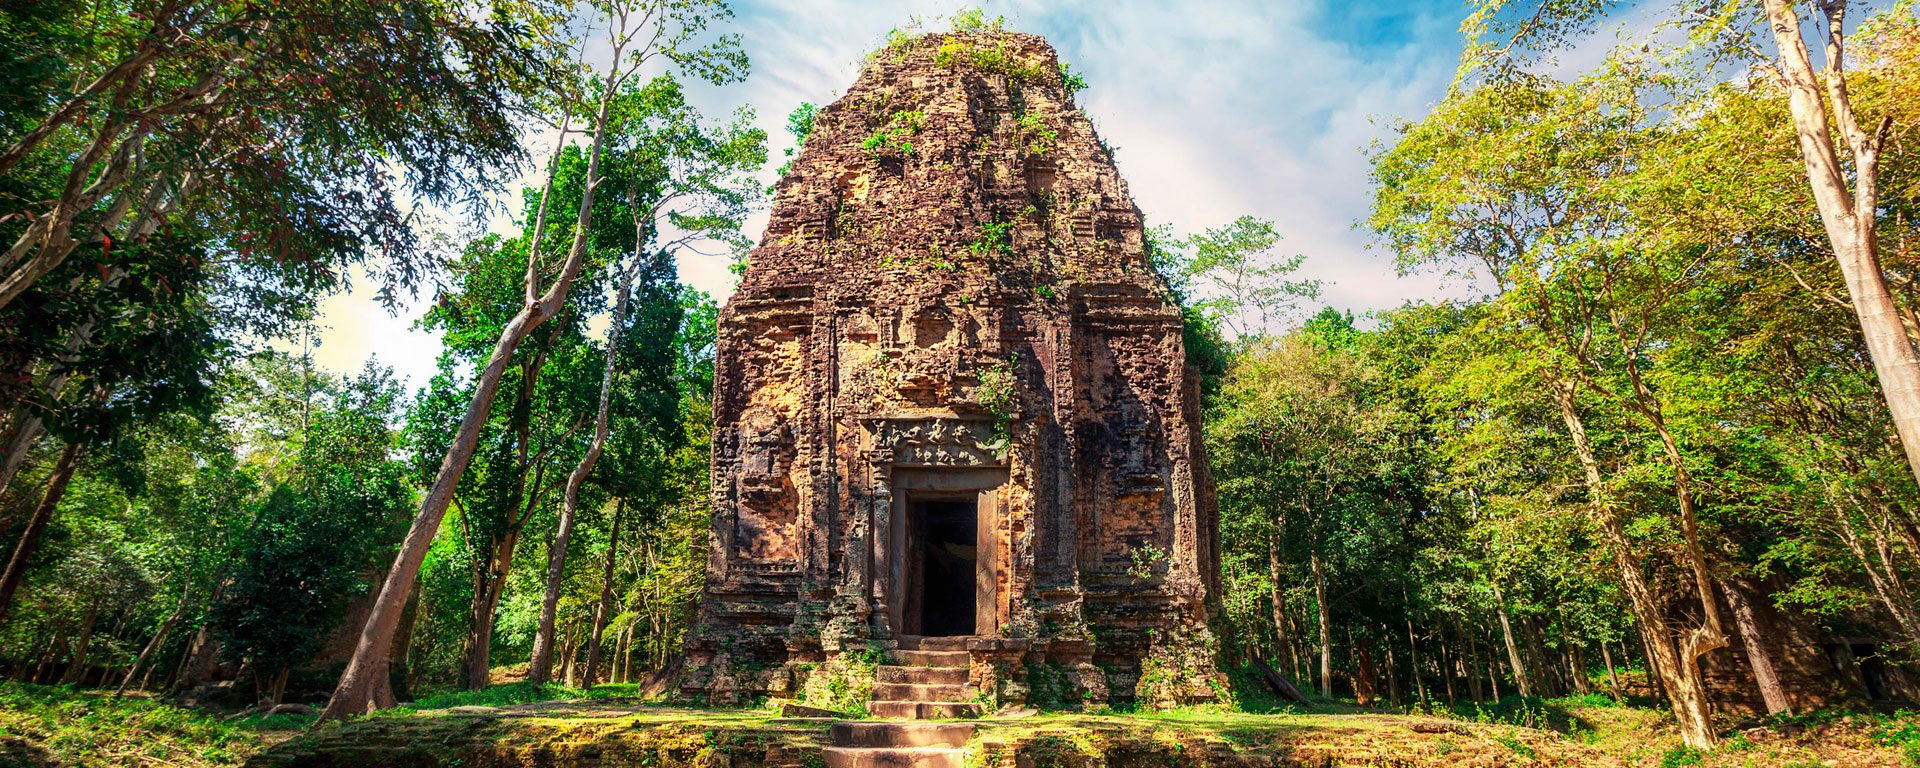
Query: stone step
(910, 757)
(889, 673)
(876, 734)
(921, 692)
(923, 710)
(917, 643)
(931, 658)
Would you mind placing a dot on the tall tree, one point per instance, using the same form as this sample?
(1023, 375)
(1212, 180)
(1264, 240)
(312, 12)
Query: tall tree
(674, 172)
(639, 33)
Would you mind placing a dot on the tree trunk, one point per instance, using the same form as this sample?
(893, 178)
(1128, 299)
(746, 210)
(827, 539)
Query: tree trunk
(82, 646)
(1759, 658)
(159, 636)
(36, 525)
(1577, 657)
(1326, 626)
(488, 586)
(1613, 678)
(1902, 611)
(1848, 215)
(1274, 571)
(364, 686)
(539, 668)
(1467, 664)
(51, 657)
(602, 611)
(1493, 673)
(1678, 668)
(400, 671)
(20, 441)
(1413, 661)
(1520, 677)
(1363, 683)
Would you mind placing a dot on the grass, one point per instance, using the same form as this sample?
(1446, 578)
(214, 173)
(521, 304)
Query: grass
(42, 725)
(517, 693)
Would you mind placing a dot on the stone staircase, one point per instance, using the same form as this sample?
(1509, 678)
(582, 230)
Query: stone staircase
(898, 745)
(926, 681)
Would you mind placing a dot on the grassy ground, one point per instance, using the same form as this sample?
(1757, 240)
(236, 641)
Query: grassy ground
(46, 726)
(521, 724)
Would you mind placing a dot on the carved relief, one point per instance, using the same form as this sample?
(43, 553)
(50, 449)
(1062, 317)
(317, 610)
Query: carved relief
(849, 390)
(764, 526)
(936, 442)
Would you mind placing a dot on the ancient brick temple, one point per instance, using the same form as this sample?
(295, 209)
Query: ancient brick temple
(953, 423)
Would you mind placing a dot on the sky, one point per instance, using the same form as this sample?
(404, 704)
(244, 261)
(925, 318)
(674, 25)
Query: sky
(1216, 108)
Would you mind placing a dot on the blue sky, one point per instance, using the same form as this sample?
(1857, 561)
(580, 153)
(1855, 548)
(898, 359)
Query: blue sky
(1217, 108)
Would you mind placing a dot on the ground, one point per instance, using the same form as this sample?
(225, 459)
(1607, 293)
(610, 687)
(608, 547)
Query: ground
(508, 726)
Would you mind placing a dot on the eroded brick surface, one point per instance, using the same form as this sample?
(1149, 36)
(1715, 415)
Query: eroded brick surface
(952, 299)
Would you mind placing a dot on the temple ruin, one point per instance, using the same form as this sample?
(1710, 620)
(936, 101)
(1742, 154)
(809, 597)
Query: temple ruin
(954, 428)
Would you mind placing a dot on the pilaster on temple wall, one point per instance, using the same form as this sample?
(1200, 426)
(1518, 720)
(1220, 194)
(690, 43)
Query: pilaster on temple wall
(952, 400)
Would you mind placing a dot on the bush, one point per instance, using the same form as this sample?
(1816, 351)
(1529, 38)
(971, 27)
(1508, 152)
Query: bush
(86, 728)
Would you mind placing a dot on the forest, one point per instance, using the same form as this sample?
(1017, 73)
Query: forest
(1659, 445)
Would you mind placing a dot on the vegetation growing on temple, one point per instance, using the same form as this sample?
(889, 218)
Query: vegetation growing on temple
(1639, 487)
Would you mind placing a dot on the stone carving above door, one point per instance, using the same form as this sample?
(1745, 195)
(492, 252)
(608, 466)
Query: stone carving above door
(936, 441)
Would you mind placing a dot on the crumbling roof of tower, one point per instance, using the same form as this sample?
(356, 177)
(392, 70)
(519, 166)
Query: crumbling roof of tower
(955, 152)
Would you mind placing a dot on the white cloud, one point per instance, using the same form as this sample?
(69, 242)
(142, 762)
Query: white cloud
(1217, 108)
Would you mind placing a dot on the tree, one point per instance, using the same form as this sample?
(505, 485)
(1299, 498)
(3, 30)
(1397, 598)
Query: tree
(166, 107)
(317, 533)
(1842, 158)
(639, 33)
(1247, 289)
(671, 168)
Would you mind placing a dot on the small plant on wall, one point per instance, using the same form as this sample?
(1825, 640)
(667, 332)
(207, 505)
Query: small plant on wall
(1038, 136)
(996, 396)
(1147, 560)
(894, 140)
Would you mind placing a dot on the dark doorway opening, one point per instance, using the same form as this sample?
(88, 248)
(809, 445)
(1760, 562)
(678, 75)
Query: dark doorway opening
(942, 563)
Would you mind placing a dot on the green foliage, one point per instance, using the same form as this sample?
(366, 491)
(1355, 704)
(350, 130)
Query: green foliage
(1230, 276)
(996, 58)
(997, 395)
(1072, 80)
(995, 239)
(92, 729)
(1513, 742)
(513, 693)
(320, 529)
(800, 124)
(972, 19)
(1681, 756)
(1145, 561)
(1039, 137)
(844, 683)
(1902, 731)
(893, 140)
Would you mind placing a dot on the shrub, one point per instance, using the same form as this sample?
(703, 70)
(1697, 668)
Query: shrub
(894, 139)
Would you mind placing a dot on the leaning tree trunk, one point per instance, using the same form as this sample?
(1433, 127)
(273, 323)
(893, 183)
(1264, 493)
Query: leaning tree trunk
(82, 646)
(1520, 677)
(37, 524)
(364, 686)
(1676, 666)
(159, 636)
(541, 666)
(1747, 622)
(604, 609)
(1848, 213)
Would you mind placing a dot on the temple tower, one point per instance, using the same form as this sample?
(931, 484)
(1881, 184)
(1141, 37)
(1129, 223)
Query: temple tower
(952, 411)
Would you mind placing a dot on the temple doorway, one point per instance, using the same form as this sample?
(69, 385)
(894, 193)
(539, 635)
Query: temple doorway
(943, 565)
